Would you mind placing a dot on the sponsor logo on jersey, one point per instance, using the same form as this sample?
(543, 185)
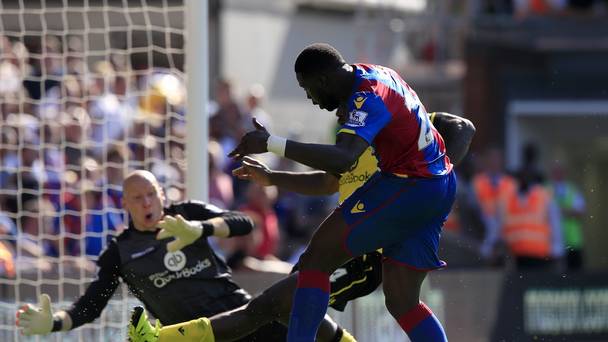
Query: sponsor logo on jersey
(350, 178)
(359, 102)
(358, 208)
(356, 118)
(175, 261)
(161, 279)
(142, 253)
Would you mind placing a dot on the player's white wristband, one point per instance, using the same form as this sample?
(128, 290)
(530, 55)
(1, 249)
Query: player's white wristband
(276, 145)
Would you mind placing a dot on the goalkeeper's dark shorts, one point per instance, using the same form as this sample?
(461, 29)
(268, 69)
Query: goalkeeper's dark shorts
(357, 278)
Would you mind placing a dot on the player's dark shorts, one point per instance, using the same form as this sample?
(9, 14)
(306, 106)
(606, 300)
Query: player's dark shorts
(357, 278)
(403, 216)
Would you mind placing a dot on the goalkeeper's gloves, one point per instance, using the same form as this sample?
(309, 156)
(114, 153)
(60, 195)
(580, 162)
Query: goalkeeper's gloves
(185, 232)
(36, 320)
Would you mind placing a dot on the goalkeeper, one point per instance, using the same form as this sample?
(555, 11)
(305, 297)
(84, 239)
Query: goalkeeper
(176, 279)
(357, 278)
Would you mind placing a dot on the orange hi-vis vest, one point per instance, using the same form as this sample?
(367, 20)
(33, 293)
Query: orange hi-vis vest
(488, 194)
(526, 227)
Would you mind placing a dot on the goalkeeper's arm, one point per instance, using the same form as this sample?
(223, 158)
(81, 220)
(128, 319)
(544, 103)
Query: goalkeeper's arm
(185, 232)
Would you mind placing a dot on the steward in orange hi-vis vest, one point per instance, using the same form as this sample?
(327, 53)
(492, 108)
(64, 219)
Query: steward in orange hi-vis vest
(526, 223)
(488, 192)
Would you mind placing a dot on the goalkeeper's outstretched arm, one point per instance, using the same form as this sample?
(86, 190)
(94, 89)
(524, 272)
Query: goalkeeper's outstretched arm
(40, 320)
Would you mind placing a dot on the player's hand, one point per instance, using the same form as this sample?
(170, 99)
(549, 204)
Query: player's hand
(34, 320)
(253, 170)
(252, 142)
(185, 232)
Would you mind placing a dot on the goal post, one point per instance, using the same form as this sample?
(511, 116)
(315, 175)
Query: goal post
(197, 71)
(90, 90)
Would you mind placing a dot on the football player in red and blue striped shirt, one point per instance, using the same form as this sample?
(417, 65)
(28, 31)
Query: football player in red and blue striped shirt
(400, 209)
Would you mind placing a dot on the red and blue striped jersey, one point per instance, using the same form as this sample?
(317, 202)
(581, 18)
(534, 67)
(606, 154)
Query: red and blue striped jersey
(388, 114)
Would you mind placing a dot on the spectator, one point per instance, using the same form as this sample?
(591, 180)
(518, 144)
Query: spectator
(220, 184)
(226, 126)
(7, 261)
(530, 222)
(254, 109)
(572, 205)
(259, 207)
(75, 122)
(489, 185)
(37, 224)
(44, 73)
(110, 119)
(99, 223)
(8, 232)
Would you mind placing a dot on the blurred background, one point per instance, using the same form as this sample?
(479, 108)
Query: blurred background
(90, 90)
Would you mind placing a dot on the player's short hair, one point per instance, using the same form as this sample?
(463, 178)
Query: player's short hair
(318, 57)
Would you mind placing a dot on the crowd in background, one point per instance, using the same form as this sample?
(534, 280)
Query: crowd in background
(69, 133)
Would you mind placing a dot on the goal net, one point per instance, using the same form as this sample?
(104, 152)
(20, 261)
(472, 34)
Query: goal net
(89, 90)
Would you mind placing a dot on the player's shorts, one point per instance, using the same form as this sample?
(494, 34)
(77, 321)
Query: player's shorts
(401, 215)
(356, 278)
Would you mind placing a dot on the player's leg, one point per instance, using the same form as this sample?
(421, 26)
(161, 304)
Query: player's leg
(409, 228)
(272, 304)
(408, 261)
(402, 294)
(323, 255)
(365, 222)
(239, 324)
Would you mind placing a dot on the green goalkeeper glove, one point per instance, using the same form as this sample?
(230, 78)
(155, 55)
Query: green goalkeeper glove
(185, 232)
(36, 320)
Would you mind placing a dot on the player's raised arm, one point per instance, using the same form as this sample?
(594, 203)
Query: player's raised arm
(306, 182)
(457, 133)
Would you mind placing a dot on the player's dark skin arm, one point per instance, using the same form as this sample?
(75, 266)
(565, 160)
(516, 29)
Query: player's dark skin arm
(314, 183)
(334, 159)
(456, 131)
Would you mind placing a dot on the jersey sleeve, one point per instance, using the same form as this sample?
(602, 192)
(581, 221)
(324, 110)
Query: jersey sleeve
(197, 210)
(90, 305)
(367, 115)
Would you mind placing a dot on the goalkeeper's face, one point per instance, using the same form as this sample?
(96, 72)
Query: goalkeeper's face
(143, 199)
